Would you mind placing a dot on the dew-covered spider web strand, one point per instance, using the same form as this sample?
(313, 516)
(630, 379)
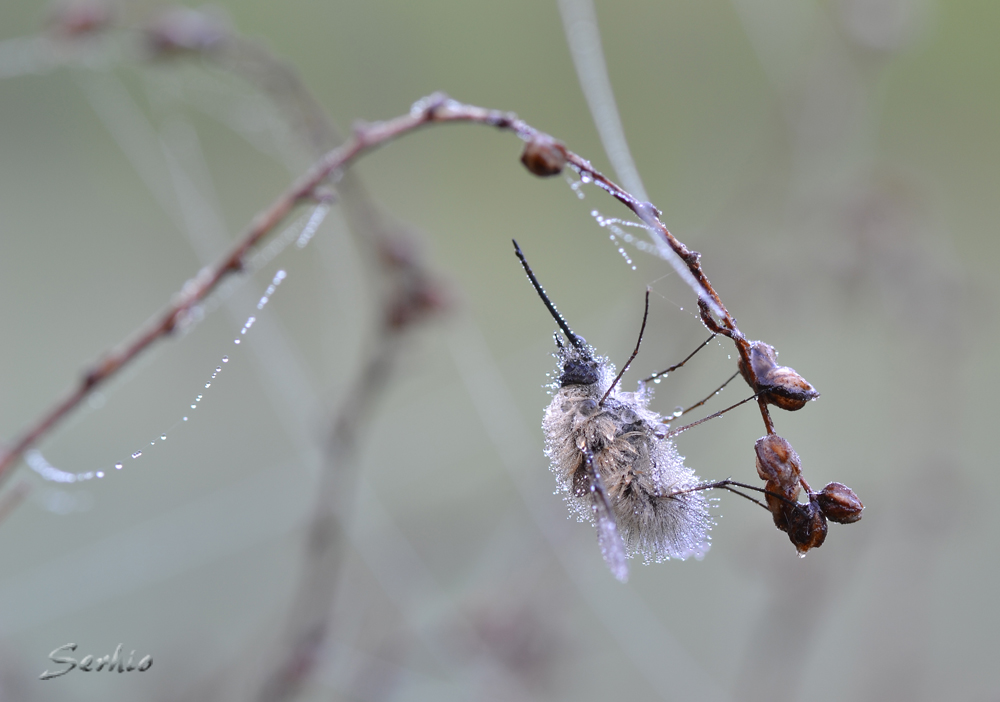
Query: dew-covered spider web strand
(50, 473)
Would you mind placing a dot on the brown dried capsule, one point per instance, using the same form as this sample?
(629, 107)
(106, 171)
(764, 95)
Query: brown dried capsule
(806, 526)
(778, 464)
(78, 18)
(183, 30)
(840, 504)
(544, 156)
(780, 386)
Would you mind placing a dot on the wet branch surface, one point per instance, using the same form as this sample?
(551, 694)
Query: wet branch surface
(434, 109)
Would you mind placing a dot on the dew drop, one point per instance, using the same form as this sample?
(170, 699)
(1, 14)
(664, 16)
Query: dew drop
(236, 341)
(219, 369)
(100, 474)
(657, 380)
(152, 443)
(242, 331)
(585, 178)
(208, 385)
(136, 454)
(198, 399)
(678, 411)
(118, 466)
(184, 419)
(802, 555)
(163, 437)
(194, 406)
(225, 359)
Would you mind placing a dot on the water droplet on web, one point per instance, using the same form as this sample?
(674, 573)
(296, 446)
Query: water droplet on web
(198, 399)
(163, 437)
(236, 341)
(118, 466)
(219, 369)
(208, 385)
(152, 443)
(100, 474)
(585, 178)
(225, 359)
(194, 406)
(184, 419)
(136, 454)
(678, 411)
(657, 380)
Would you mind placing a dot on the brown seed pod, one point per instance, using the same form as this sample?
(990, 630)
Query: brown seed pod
(806, 526)
(840, 504)
(78, 18)
(780, 386)
(181, 30)
(544, 156)
(778, 464)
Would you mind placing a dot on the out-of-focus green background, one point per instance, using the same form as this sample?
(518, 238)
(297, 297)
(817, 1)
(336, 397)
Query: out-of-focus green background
(836, 163)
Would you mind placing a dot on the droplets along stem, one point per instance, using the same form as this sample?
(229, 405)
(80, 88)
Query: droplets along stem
(38, 463)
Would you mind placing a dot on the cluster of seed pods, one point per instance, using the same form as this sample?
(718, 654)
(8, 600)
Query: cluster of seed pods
(779, 466)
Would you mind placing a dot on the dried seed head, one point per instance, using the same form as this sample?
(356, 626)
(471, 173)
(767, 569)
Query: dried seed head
(181, 30)
(840, 504)
(79, 18)
(780, 386)
(806, 526)
(778, 464)
(544, 156)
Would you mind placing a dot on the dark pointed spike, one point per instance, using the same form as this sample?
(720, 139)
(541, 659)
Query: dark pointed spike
(573, 338)
(645, 315)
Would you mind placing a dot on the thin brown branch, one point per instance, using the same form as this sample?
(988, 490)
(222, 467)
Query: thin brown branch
(434, 109)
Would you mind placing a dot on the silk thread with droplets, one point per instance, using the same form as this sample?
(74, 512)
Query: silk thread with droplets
(41, 466)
